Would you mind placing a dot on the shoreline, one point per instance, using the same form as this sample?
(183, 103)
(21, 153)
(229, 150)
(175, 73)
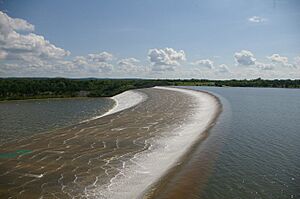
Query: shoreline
(50, 98)
(112, 110)
(123, 102)
(157, 187)
(119, 105)
(156, 156)
(144, 177)
(171, 86)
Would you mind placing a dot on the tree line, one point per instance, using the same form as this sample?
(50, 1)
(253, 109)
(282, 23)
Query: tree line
(31, 88)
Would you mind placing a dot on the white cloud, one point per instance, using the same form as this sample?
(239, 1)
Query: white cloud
(263, 66)
(278, 59)
(101, 67)
(23, 53)
(25, 47)
(128, 65)
(207, 63)
(297, 61)
(223, 68)
(163, 68)
(100, 57)
(282, 60)
(166, 57)
(256, 19)
(3, 54)
(128, 62)
(244, 58)
(80, 61)
(8, 24)
(93, 63)
(204, 63)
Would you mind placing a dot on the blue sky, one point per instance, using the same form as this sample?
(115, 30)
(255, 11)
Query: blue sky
(208, 39)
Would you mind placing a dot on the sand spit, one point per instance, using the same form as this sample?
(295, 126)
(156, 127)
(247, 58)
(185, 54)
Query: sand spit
(165, 152)
(126, 100)
(120, 155)
(123, 101)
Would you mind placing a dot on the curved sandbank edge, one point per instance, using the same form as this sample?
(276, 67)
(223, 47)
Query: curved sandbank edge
(123, 101)
(155, 188)
(149, 167)
(126, 100)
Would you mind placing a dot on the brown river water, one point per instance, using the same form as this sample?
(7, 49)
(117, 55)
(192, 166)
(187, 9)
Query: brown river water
(95, 159)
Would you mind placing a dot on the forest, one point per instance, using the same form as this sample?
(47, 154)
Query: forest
(39, 88)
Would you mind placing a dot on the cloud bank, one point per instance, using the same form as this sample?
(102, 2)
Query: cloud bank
(24, 53)
(26, 46)
(281, 60)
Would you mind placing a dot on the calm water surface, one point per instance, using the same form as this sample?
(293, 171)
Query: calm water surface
(257, 141)
(19, 119)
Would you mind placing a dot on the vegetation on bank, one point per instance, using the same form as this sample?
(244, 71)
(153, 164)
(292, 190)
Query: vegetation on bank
(37, 88)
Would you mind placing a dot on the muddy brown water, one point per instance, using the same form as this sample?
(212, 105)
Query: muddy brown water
(69, 162)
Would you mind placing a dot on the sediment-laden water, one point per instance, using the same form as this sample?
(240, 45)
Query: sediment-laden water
(160, 148)
(20, 119)
(116, 156)
(251, 152)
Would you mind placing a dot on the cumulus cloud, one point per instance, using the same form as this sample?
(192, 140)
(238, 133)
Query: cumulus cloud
(129, 65)
(278, 59)
(128, 62)
(264, 66)
(244, 58)
(223, 68)
(8, 24)
(134, 67)
(100, 57)
(27, 53)
(98, 62)
(204, 63)
(297, 61)
(19, 43)
(256, 19)
(282, 60)
(166, 57)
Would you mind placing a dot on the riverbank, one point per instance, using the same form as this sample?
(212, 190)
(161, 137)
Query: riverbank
(37, 88)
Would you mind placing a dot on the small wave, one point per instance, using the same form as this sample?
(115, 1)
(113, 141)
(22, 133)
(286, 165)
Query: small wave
(123, 101)
(149, 165)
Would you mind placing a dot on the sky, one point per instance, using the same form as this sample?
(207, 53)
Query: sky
(207, 39)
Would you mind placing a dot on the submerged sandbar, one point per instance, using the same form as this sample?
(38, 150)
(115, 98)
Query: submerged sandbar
(116, 156)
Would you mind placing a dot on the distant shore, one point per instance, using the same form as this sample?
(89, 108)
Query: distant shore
(45, 88)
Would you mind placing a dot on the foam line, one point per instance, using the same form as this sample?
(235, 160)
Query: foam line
(150, 165)
(126, 100)
(123, 101)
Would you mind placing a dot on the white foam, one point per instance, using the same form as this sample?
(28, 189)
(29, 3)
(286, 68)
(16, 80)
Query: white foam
(126, 100)
(148, 166)
(123, 101)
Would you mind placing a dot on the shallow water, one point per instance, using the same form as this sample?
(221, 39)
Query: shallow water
(102, 158)
(252, 151)
(20, 119)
